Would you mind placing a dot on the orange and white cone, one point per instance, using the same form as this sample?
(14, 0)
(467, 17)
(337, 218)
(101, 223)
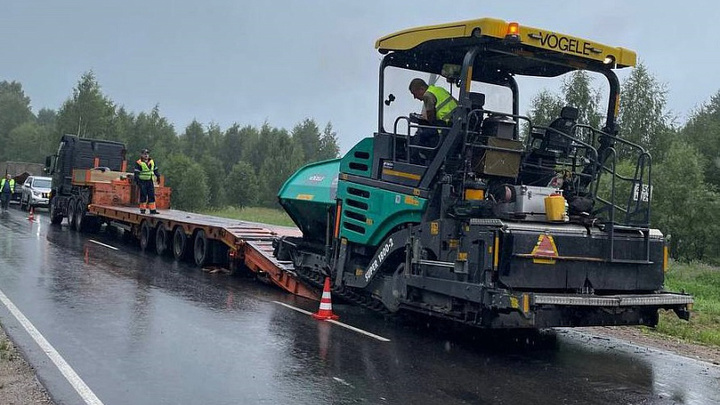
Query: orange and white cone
(32, 214)
(325, 312)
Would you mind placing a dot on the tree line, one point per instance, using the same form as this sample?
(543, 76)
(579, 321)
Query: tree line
(685, 157)
(244, 165)
(206, 166)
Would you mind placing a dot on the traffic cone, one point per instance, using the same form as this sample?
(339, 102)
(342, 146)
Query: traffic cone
(325, 312)
(32, 214)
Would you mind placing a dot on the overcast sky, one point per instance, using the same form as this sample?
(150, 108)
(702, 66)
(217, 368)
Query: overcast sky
(227, 61)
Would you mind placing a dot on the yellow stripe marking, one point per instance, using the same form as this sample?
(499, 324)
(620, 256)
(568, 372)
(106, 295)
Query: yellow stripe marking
(401, 174)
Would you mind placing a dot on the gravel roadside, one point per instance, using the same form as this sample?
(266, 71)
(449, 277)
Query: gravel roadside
(640, 337)
(18, 383)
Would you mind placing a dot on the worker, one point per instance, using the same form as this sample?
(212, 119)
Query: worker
(7, 188)
(145, 174)
(438, 105)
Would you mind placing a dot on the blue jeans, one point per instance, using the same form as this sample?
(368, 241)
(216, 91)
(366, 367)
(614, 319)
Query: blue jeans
(5, 197)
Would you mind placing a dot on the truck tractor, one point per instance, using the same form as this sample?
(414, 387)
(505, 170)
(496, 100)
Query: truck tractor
(500, 222)
(71, 193)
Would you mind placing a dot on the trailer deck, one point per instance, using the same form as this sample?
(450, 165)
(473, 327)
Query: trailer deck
(222, 240)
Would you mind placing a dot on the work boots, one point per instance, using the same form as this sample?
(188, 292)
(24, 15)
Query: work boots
(154, 212)
(142, 210)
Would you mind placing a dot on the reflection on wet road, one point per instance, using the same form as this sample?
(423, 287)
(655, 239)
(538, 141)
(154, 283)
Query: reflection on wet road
(142, 329)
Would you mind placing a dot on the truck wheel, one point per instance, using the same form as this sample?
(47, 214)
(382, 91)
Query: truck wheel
(56, 215)
(72, 215)
(80, 216)
(147, 235)
(179, 243)
(200, 248)
(161, 240)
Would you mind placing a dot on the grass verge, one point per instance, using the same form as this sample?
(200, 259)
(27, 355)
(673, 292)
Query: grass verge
(703, 282)
(254, 214)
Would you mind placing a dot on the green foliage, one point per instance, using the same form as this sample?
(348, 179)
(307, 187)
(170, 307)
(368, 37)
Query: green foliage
(703, 283)
(703, 131)
(329, 148)
(234, 144)
(215, 180)
(623, 189)
(193, 142)
(88, 113)
(643, 118)
(242, 185)
(193, 193)
(275, 170)
(152, 131)
(213, 139)
(545, 108)
(269, 142)
(683, 205)
(578, 92)
(47, 117)
(174, 169)
(30, 142)
(14, 111)
(307, 136)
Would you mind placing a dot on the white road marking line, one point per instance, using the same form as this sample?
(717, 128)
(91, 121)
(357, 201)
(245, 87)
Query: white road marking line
(338, 323)
(102, 244)
(293, 308)
(82, 389)
(358, 330)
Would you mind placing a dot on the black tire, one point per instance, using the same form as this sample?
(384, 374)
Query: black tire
(180, 244)
(80, 215)
(201, 248)
(147, 235)
(161, 240)
(72, 215)
(56, 215)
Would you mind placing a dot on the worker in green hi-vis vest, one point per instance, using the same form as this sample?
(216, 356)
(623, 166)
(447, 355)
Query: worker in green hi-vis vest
(7, 188)
(438, 105)
(145, 173)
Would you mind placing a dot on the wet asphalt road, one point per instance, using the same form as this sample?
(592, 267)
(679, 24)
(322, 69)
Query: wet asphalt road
(141, 329)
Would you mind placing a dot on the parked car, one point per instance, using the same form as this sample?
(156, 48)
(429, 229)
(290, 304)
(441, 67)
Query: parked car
(35, 192)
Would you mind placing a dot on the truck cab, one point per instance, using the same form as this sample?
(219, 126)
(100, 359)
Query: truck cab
(68, 197)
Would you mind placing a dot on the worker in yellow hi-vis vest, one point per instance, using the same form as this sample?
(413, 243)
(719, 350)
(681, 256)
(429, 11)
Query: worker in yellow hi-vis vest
(7, 188)
(145, 173)
(438, 105)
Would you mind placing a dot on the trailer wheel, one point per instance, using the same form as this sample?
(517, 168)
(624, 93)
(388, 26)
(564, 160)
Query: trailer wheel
(56, 215)
(200, 248)
(161, 240)
(147, 235)
(72, 215)
(179, 243)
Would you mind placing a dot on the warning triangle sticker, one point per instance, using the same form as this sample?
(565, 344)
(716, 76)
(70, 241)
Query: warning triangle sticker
(545, 250)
